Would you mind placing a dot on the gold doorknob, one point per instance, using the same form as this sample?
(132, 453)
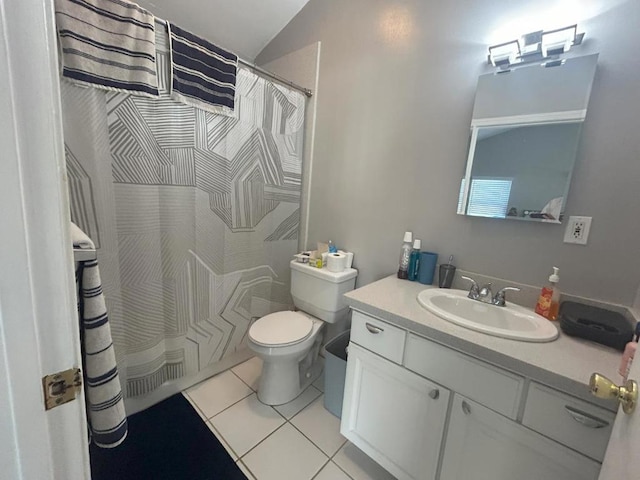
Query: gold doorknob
(626, 394)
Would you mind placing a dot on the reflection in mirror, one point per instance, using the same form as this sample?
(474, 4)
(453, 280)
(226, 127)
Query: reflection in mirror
(522, 171)
(525, 132)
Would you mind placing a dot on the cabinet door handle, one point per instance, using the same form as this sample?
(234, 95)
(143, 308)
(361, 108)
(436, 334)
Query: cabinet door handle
(373, 329)
(435, 393)
(585, 419)
(466, 408)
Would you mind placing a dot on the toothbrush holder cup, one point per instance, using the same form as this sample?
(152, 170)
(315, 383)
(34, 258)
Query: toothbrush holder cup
(445, 275)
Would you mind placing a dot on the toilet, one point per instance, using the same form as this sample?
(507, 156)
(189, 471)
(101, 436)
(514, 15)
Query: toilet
(289, 342)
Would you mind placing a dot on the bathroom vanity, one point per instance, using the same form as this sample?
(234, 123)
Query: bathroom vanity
(428, 399)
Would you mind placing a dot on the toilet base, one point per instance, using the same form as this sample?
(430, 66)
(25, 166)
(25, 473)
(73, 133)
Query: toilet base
(289, 384)
(287, 371)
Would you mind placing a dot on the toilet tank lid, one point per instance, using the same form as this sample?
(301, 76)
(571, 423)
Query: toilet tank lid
(323, 273)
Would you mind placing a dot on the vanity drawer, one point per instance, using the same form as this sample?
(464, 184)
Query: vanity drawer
(491, 386)
(575, 423)
(378, 336)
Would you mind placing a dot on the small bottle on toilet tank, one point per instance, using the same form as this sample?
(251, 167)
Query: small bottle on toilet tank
(405, 254)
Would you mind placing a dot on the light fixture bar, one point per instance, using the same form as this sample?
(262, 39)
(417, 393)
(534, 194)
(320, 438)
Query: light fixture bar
(558, 41)
(534, 47)
(504, 53)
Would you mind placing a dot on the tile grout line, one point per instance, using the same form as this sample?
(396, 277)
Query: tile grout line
(315, 475)
(225, 440)
(240, 458)
(329, 457)
(305, 436)
(240, 378)
(340, 468)
(247, 467)
(261, 441)
(298, 430)
(193, 403)
(341, 447)
(227, 408)
(313, 443)
(299, 411)
(215, 430)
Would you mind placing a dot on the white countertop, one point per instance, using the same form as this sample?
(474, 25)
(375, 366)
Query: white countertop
(565, 364)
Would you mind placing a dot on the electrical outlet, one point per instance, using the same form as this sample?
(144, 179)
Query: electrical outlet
(577, 230)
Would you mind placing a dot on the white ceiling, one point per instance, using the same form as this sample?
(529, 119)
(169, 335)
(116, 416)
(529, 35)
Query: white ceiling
(243, 26)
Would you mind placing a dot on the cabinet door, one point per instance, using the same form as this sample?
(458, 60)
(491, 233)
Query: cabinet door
(394, 416)
(483, 445)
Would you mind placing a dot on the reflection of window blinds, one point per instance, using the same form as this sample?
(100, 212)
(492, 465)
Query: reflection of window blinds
(489, 197)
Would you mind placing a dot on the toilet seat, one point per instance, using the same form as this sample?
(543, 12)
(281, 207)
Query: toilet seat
(281, 329)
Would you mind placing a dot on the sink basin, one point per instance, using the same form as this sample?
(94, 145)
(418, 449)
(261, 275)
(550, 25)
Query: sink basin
(512, 321)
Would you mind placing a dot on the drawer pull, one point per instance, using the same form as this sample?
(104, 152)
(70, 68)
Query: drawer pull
(585, 419)
(466, 408)
(373, 329)
(434, 394)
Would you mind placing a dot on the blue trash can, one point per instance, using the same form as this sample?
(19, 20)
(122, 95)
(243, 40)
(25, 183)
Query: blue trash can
(335, 371)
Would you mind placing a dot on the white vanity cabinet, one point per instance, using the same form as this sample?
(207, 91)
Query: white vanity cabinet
(394, 416)
(402, 389)
(484, 445)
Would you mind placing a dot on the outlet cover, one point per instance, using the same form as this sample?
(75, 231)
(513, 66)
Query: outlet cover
(577, 230)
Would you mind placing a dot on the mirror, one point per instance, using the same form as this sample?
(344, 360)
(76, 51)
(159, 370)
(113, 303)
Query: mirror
(525, 133)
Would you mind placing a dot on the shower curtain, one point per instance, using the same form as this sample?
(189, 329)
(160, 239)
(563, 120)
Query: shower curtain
(195, 217)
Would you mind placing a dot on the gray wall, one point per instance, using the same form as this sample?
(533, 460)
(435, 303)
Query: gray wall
(396, 91)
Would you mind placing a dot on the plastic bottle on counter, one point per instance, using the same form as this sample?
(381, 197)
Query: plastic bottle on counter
(405, 254)
(549, 299)
(414, 260)
(629, 354)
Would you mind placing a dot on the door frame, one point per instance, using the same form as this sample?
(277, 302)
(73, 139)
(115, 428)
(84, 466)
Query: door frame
(38, 317)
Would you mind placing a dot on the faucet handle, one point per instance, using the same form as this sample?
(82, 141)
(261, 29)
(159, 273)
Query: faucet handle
(474, 291)
(499, 298)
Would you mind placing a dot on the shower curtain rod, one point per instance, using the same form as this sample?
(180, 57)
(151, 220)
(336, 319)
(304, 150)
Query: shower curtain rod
(275, 77)
(264, 72)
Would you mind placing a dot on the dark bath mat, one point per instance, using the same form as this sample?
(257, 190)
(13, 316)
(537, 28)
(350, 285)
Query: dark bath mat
(168, 441)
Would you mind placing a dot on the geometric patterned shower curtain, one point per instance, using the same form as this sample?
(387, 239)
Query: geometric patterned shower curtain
(195, 217)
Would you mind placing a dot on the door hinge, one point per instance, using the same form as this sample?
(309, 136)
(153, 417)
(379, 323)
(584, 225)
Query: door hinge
(61, 387)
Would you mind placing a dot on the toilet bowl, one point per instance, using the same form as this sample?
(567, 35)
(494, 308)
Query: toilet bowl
(289, 342)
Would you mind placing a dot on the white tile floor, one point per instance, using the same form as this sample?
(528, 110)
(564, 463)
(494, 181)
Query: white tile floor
(297, 441)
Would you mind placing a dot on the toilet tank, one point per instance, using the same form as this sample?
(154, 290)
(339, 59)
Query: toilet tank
(318, 292)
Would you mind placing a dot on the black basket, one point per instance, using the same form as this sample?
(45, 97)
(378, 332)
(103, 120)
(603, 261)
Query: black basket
(595, 324)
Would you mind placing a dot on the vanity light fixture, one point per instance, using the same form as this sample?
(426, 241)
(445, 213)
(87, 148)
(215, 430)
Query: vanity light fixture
(558, 41)
(504, 53)
(534, 47)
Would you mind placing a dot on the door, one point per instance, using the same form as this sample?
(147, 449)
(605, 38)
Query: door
(38, 320)
(622, 461)
(484, 445)
(394, 416)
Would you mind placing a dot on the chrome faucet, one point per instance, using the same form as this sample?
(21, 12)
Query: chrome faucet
(476, 293)
(499, 298)
(483, 294)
